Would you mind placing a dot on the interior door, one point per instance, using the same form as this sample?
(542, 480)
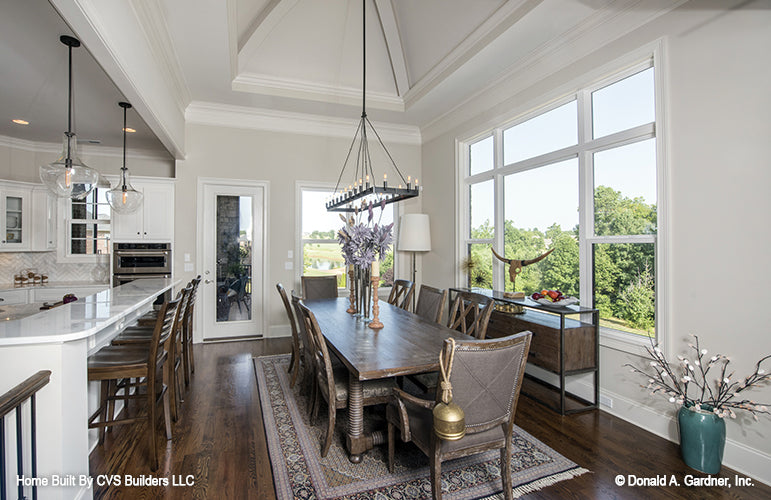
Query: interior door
(233, 257)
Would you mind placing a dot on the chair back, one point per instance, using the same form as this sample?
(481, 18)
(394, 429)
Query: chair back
(401, 293)
(290, 314)
(486, 379)
(164, 326)
(431, 303)
(319, 287)
(188, 316)
(470, 314)
(179, 321)
(321, 357)
(302, 330)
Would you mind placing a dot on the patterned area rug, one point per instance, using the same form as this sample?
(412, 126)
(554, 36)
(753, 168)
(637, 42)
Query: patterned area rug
(300, 472)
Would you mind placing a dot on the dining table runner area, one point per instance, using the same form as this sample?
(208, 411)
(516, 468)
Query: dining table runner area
(300, 472)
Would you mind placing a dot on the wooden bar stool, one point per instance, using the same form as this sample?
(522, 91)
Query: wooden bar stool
(144, 363)
(188, 360)
(142, 335)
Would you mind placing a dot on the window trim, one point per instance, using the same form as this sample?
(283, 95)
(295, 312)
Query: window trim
(64, 234)
(650, 55)
(301, 186)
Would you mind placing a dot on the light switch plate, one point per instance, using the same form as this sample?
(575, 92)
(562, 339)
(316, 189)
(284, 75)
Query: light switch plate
(289, 265)
(289, 254)
(187, 259)
(188, 268)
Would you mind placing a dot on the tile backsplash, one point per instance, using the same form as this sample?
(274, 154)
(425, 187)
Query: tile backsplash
(45, 263)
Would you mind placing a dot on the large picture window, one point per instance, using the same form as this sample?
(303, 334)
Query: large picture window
(321, 251)
(579, 177)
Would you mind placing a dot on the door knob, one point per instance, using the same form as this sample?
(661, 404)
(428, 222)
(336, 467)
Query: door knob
(207, 281)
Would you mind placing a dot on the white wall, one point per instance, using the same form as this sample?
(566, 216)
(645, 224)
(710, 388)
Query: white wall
(717, 131)
(279, 158)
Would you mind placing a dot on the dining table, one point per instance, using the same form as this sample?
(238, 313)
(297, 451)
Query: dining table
(407, 344)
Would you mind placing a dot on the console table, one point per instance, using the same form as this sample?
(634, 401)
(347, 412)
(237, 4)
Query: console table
(561, 344)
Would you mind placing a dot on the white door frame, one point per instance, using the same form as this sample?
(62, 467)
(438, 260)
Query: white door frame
(263, 266)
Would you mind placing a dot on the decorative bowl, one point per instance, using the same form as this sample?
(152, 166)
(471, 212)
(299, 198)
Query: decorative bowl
(566, 301)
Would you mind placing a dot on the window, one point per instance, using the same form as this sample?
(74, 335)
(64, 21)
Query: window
(578, 176)
(321, 251)
(89, 224)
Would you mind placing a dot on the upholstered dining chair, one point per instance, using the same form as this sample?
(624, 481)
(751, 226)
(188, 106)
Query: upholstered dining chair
(470, 313)
(486, 378)
(319, 287)
(431, 303)
(331, 382)
(294, 361)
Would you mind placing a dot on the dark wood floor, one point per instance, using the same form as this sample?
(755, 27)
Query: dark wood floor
(220, 441)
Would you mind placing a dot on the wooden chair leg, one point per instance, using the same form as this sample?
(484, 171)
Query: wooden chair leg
(436, 475)
(166, 419)
(506, 471)
(171, 387)
(104, 394)
(151, 422)
(291, 361)
(316, 403)
(391, 447)
(112, 392)
(186, 358)
(330, 428)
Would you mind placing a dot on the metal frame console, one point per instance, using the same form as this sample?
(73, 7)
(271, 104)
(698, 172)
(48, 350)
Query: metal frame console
(560, 345)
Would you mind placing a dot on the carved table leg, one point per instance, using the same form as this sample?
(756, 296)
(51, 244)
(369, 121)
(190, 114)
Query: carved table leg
(355, 438)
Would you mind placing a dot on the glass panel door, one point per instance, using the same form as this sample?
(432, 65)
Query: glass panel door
(234, 258)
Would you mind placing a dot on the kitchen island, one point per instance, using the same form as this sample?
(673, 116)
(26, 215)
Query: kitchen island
(60, 340)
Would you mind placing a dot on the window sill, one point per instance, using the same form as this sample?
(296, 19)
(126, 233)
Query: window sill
(625, 342)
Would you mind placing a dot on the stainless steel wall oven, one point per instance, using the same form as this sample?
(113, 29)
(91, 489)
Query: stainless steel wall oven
(132, 261)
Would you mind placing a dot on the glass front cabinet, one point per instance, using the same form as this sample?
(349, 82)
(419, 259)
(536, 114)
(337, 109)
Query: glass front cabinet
(15, 219)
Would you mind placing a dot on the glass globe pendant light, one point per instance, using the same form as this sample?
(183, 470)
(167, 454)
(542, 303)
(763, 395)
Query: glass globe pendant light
(68, 176)
(123, 198)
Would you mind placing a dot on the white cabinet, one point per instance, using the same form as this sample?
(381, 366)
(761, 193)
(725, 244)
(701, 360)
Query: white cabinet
(43, 219)
(154, 221)
(14, 218)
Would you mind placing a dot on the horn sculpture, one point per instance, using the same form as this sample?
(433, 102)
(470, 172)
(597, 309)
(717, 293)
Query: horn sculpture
(516, 265)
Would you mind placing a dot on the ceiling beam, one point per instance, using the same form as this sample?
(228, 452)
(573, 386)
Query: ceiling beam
(385, 11)
(263, 24)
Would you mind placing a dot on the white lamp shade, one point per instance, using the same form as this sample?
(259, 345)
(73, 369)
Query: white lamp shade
(414, 233)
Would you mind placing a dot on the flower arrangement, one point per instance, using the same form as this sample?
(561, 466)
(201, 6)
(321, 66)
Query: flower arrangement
(686, 382)
(360, 242)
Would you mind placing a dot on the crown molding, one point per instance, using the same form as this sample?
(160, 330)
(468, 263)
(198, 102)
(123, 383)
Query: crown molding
(586, 37)
(152, 19)
(301, 89)
(85, 150)
(221, 115)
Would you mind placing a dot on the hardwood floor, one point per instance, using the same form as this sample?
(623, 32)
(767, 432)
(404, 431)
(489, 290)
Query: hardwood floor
(219, 440)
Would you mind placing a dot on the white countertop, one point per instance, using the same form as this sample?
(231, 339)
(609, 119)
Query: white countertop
(9, 285)
(84, 317)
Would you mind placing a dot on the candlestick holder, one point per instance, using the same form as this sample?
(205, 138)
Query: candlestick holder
(352, 294)
(375, 324)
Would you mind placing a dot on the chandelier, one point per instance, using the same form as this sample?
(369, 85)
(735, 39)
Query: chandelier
(364, 189)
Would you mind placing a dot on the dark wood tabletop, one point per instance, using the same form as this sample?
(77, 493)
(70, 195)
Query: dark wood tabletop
(407, 343)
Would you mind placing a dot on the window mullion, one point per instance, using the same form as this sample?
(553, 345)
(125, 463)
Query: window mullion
(498, 210)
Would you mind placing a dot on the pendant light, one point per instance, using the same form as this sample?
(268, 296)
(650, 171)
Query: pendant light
(364, 189)
(68, 176)
(123, 198)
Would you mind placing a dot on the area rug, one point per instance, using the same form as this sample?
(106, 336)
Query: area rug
(300, 472)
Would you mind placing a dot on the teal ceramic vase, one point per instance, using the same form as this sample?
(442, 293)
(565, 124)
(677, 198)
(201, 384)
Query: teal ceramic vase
(702, 439)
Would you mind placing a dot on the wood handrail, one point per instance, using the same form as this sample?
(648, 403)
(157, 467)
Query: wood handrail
(14, 397)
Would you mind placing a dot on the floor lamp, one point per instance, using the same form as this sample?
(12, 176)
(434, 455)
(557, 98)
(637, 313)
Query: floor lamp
(414, 236)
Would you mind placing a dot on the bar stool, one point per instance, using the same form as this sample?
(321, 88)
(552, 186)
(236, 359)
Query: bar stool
(142, 335)
(144, 363)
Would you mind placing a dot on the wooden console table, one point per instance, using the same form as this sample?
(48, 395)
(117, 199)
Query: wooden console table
(561, 345)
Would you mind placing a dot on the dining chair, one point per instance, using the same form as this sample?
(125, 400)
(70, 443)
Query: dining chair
(146, 364)
(470, 313)
(187, 328)
(486, 378)
(401, 293)
(294, 361)
(431, 303)
(307, 363)
(331, 382)
(319, 287)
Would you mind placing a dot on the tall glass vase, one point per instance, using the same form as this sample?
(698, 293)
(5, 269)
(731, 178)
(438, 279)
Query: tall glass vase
(363, 290)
